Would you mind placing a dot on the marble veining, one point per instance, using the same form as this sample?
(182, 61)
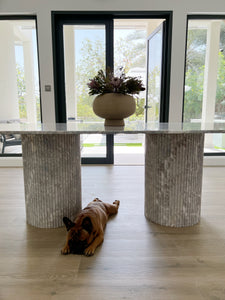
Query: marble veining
(52, 178)
(173, 178)
(98, 127)
(173, 169)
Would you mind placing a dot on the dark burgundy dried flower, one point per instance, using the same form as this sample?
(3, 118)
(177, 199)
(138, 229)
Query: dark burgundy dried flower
(104, 83)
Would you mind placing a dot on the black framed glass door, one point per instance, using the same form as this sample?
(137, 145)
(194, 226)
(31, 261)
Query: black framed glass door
(83, 43)
(82, 48)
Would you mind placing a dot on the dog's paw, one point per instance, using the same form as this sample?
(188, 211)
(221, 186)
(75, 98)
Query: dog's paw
(117, 202)
(89, 251)
(65, 250)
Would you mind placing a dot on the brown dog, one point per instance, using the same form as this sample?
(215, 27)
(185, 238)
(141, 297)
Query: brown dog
(86, 233)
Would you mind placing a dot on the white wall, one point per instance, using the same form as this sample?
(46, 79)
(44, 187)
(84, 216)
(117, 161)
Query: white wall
(180, 8)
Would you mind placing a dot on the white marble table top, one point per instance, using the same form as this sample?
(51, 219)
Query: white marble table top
(98, 127)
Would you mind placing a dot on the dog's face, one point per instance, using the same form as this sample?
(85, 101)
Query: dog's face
(78, 234)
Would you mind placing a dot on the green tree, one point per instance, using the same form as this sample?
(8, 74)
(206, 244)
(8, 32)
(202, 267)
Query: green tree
(193, 94)
(194, 79)
(220, 92)
(196, 47)
(154, 94)
(129, 53)
(92, 59)
(21, 90)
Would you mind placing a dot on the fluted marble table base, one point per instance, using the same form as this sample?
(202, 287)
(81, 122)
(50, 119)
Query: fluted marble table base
(173, 168)
(52, 178)
(173, 178)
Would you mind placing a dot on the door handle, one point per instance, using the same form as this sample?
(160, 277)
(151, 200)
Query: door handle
(147, 106)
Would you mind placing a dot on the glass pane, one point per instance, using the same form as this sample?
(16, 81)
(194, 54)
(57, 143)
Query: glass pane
(205, 77)
(19, 79)
(154, 75)
(93, 145)
(129, 149)
(84, 53)
(130, 36)
(130, 53)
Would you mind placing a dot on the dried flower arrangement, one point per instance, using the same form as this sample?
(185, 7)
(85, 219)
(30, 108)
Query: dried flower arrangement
(106, 82)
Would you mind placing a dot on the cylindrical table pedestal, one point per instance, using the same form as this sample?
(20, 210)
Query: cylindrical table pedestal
(173, 178)
(52, 178)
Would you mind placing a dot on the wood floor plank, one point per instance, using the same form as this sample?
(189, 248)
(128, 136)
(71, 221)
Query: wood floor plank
(138, 259)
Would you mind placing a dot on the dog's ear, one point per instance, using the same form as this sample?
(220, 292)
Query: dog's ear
(87, 225)
(68, 223)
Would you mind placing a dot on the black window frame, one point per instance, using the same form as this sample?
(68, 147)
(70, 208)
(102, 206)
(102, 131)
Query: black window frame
(25, 17)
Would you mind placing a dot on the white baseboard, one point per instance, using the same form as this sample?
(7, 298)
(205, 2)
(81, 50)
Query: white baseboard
(209, 161)
(214, 161)
(11, 162)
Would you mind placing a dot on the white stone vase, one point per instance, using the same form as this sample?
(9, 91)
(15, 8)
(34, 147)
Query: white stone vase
(114, 107)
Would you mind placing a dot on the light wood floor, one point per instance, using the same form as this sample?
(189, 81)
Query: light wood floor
(138, 259)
